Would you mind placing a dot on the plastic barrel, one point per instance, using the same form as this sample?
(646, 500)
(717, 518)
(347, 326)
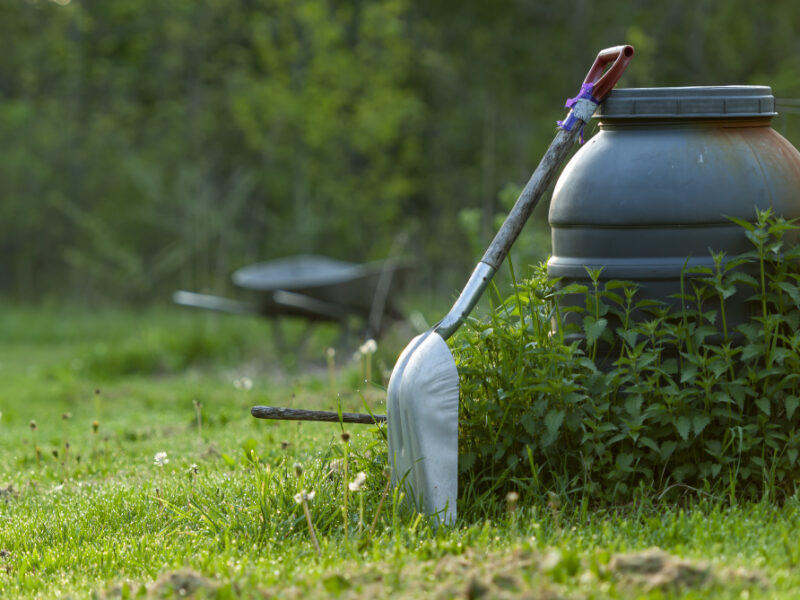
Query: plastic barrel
(651, 193)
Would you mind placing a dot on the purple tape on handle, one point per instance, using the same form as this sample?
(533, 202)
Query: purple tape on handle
(585, 94)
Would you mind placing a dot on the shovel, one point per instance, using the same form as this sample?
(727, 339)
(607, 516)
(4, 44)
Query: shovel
(422, 403)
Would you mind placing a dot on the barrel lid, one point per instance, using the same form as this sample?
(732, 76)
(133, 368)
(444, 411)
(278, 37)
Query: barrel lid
(688, 102)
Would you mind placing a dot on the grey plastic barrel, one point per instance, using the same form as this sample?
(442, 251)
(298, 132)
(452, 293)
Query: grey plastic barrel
(655, 186)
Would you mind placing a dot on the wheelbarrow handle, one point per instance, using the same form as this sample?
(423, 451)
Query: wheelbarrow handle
(604, 83)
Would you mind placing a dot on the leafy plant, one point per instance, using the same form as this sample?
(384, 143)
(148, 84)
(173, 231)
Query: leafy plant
(624, 393)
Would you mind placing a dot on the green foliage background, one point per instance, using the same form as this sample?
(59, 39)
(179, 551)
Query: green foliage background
(147, 145)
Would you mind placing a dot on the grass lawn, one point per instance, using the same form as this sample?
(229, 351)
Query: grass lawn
(144, 475)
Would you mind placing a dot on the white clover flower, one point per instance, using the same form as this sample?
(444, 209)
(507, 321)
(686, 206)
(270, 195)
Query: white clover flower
(243, 383)
(160, 459)
(307, 496)
(368, 347)
(358, 482)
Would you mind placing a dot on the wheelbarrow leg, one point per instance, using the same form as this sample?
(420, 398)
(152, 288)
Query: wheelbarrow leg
(277, 335)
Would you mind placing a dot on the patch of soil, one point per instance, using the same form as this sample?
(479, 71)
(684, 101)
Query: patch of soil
(474, 575)
(184, 583)
(6, 560)
(655, 569)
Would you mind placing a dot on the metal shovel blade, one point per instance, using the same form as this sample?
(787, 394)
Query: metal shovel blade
(423, 404)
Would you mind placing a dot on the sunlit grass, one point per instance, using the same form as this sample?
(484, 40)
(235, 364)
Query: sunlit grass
(169, 484)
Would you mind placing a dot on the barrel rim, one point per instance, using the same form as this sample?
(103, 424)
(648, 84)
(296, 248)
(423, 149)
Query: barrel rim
(690, 102)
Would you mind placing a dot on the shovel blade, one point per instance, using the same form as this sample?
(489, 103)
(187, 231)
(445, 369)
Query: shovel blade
(422, 418)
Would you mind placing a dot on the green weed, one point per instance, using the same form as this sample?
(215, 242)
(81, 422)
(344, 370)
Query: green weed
(623, 396)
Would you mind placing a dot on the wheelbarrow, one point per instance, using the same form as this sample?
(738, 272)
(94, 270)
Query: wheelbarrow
(314, 288)
(423, 393)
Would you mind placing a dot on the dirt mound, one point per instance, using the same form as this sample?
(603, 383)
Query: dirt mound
(655, 569)
(184, 583)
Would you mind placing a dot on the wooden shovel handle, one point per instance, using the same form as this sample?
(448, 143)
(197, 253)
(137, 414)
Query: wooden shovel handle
(555, 155)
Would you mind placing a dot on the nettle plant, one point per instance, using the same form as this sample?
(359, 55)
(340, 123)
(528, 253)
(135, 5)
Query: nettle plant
(647, 397)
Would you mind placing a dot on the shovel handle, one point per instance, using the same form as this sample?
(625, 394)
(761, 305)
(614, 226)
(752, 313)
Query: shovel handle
(536, 186)
(554, 157)
(603, 84)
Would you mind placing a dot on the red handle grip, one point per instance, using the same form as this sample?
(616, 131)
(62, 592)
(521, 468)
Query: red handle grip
(603, 84)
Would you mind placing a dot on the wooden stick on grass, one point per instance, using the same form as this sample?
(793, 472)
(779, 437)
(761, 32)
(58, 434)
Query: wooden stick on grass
(299, 414)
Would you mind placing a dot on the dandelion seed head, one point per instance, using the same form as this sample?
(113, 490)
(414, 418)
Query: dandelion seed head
(331, 352)
(368, 347)
(33, 425)
(243, 383)
(346, 437)
(160, 459)
(304, 495)
(512, 498)
(298, 469)
(358, 482)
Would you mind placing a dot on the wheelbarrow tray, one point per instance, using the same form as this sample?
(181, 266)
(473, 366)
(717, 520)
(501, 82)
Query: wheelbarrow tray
(315, 288)
(340, 287)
